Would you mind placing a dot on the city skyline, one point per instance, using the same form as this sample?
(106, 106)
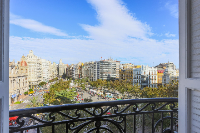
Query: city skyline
(88, 30)
(101, 59)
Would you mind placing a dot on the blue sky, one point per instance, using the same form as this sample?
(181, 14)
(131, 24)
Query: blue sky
(139, 32)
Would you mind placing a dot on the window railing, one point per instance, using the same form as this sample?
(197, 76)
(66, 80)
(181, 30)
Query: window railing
(121, 116)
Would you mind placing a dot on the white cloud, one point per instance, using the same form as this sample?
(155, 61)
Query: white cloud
(169, 35)
(75, 50)
(116, 22)
(173, 8)
(35, 25)
(119, 35)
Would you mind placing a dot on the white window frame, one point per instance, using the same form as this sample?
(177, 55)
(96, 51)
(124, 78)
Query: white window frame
(4, 83)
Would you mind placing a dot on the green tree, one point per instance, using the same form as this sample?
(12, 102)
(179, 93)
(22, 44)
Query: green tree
(42, 83)
(65, 96)
(54, 90)
(34, 103)
(26, 93)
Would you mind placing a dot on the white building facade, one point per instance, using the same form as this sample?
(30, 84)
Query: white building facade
(34, 69)
(145, 76)
(39, 70)
(61, 69)
(170, 73)
(53, 70)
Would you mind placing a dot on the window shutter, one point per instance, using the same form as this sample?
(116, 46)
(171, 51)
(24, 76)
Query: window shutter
(195, 39)
(189, 66)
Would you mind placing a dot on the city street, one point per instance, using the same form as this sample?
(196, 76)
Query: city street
(94, 98)
(38, 93)
(27, 100)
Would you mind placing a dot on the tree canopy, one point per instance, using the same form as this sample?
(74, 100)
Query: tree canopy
(42, 83)
(60, 93)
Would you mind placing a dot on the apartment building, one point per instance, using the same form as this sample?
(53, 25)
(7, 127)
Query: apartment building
(103, 69)
(53, 70)
(46, 70)
(61, 69)
(88, 70)
(126, 74)
(78, 70)
(163, 66)
(145, 76)
(117, 69)
(160, 74)
(70, 71)
(107, 69)
(40, 69)
(34, 69)
(170, 73)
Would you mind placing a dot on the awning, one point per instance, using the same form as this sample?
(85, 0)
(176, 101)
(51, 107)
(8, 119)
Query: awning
(13, 118)
(13, 96)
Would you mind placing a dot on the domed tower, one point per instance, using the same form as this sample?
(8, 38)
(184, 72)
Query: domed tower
(23, 65)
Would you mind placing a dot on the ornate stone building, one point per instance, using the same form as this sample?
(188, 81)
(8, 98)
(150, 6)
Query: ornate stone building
(34, 69)
(39, 69)
(18, 79)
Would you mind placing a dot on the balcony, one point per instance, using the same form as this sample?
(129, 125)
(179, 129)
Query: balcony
(124, 116)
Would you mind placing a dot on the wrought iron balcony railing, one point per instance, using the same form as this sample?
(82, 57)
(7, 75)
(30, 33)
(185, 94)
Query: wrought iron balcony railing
(122, 116)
